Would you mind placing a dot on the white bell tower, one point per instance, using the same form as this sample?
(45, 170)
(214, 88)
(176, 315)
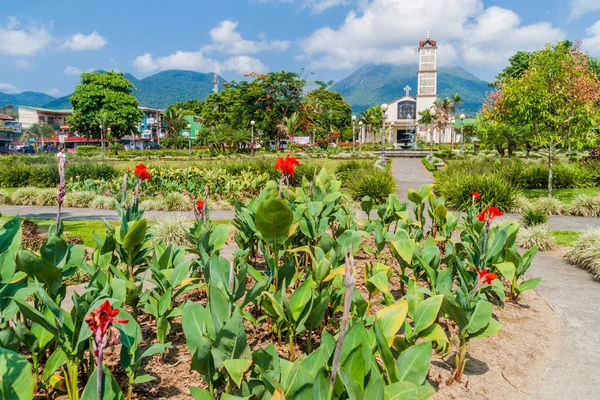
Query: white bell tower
(427, 74)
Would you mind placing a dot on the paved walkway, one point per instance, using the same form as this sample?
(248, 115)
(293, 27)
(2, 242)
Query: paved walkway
(409, 173)
(575, 297)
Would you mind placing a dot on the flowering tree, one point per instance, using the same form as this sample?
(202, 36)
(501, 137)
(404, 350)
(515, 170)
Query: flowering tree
(556, 98)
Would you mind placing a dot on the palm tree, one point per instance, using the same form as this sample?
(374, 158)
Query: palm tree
(37, 132)
(427, 119)
(241, 137)
(175, 122)
(292, 124)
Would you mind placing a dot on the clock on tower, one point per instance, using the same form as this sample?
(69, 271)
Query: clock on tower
(427, 74)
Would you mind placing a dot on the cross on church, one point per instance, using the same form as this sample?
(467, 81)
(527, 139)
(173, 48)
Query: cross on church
(407, 90)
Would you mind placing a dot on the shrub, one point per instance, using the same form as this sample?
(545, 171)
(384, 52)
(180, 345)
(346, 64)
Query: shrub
(91, 171)
(377, 184)
(155, 204)
(89, 150)
(550, 205)
(457, 190)
(43, 176)
(103, 203)
(521, 204)
(535, 236)
(79, 199)
(14, 175)
(4, 197)
(585, 252)
(585, 206)
(347, 171)
(171, 228)
(428, 165)
(534, 217)
(176, 201)
(29, 196)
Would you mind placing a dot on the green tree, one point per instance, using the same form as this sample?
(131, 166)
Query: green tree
(557, 98)
(9, 110)
(108, 92)
(194, 106)
(372, 118)
(518, 64)
(39, 132)
(173, 117)
(332, 112)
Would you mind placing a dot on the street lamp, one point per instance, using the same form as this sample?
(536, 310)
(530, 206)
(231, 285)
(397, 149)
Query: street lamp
(361, 137)
(453, 121)
(252, 140)
(107, 136)
(433, 113)
(102, 139)
(462, 131)
(384, 108)
(353, 133)
(189, 128)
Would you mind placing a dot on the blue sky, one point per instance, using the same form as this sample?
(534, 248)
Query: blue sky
(45, 45)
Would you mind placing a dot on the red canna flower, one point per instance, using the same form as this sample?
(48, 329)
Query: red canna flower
(141, 172)
(199, 204)
(476, 195)
(485, 276)
(100, 319)
(489, 214)
(287, 165)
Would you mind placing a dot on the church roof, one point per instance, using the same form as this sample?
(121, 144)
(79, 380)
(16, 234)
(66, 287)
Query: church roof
(411, 98)
(430, 42)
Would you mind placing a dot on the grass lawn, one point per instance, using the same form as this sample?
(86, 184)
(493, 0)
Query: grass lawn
(84, 227)
(564, 195)
(565, 238)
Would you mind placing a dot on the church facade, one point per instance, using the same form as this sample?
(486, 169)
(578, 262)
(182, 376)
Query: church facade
(403, 127)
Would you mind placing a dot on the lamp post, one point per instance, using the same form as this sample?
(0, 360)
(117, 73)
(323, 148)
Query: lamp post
(353, 133)
(453, 136)
(433, 113)
(462, 132)
(189, 128)
(384, 108)
(102, 139)
(252, 139)
(360, 133)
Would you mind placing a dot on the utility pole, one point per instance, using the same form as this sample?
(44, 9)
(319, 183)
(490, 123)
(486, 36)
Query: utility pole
(384, 108)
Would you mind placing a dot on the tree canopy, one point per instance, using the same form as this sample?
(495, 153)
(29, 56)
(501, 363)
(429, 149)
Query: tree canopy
(108, 92)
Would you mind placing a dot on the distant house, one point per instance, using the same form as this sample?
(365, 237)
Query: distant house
(151, 126)
(37, 115)
(195, 127)
(10, 130)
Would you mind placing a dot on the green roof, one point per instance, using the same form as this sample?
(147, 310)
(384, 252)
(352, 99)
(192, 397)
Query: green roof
(63, 111)
(468, 121)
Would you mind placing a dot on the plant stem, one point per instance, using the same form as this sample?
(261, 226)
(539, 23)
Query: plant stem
(461, 359)
(347, 303)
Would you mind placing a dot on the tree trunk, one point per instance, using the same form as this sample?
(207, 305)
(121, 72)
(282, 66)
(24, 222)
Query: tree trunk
(550, 153)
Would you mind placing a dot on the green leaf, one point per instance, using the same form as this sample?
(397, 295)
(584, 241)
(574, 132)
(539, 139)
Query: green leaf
(218, 304)
(236, 369)
(143, 379)
(300, 299)
(273, 219)
(413, 363)
(408, 391)
(391, 318)
(231, 340)
(491, 329)
(54, 250)
(53, 363)
(135, 236)
(42, 270)
(529, 284)
(192, 321)
(386, 353)
(201, 394)
(16, 377)
(405, 249)
(31, 313)
(507, 269)
(352, 373)
(480, 318)
(110, 387)
(426, 312)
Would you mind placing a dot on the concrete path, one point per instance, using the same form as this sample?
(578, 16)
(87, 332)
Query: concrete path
(409, 173)
(575, 297)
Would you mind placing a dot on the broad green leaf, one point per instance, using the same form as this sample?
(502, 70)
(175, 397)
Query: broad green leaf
(491, 329)
(300, 298)
(405, 249)
(385, 353)
(480, 318)
(352, 373)
(426, 312)
(110, 387)
(135, 236)
(273, 219)
(42, 270)
(192, 321)
(413, 363)
(236, 369)
(529, 284)
(507, 269)
(53, 363)
(218, 304)
(16, 377)
(143, 379)
(408, 391)
(231, 341)
(201, 394)
(391, 318)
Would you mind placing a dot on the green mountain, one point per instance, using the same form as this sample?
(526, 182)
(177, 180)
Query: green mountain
(34, 99)
(156, 91)
(377, 84)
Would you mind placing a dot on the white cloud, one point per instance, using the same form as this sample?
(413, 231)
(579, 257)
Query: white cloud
(22, 42)
(52, 92)
(226, 39)
(196, 61)
(70, 71)
(497, 34)
(316, 6)
(591, 43)
(8, 88)
(24, 64)
(581, 7)
(387, 31)
(79, 42)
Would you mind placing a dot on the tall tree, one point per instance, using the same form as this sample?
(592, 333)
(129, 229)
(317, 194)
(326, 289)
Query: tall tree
(108, 92)
(39, 132)
(557, 98)
(333, 111)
